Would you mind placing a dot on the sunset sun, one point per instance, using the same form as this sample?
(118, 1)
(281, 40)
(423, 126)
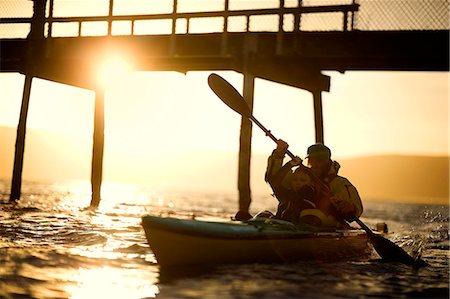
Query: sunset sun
(112, 70)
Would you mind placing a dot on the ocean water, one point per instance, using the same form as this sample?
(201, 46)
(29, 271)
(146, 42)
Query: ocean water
(51, 246)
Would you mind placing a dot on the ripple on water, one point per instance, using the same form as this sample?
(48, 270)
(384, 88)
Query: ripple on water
(50, 247)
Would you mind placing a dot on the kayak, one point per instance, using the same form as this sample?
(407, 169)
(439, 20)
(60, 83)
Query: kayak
(181, 242)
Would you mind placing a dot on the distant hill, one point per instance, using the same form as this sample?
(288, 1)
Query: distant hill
(404, 178)
(55, 157)
(48, 156)
(398, 178)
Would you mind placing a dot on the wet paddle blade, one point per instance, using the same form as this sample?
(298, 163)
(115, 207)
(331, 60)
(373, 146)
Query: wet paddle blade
(228, 94)
(388, 250)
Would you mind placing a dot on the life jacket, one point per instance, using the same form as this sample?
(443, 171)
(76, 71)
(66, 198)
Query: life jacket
(318, 218)
(324, 214)
(341, 188)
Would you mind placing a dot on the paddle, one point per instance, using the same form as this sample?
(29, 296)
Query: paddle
(233, 99)
(388, 250)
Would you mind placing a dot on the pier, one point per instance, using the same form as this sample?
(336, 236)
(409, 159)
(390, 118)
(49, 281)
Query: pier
(288, 42)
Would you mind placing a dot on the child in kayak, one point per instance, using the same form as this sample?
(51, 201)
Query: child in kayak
(294, 190)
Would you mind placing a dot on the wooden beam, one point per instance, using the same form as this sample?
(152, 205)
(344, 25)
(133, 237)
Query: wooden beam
(290, 72)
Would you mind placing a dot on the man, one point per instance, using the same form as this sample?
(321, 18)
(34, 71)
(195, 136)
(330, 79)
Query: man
(334, 198)
(343, 195)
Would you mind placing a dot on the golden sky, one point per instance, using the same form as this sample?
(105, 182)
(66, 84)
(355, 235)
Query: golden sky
(162, 127)
(365, 113)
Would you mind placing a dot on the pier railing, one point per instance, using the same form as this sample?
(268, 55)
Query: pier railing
(118, 17)
(284, 18)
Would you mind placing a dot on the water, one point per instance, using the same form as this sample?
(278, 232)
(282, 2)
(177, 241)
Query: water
(52, 247)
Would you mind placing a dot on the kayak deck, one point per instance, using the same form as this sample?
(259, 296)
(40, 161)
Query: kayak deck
(178, 242)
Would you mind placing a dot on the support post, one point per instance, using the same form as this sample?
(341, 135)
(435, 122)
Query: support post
(97, 148)
(318, 115)
(16, 184)
(245, 147)
(34, 53)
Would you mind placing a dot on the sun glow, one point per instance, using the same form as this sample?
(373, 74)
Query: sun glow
(113, 70)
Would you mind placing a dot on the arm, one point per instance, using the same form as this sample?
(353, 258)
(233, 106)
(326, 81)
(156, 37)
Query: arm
(275, 161)
(279, 177)
(346, 198)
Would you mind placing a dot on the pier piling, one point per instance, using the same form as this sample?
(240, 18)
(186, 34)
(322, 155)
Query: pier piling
(97, 148)
(16, 184)
(245, 147)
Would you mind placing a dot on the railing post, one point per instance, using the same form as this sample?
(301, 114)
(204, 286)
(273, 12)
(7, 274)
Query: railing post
(224, 45)
(247, 25)
(38, 20)
(345, 20)
(297, 16)
(174, 28)
(279, 46)
(50, 18)
(352, 20)
(110, 14)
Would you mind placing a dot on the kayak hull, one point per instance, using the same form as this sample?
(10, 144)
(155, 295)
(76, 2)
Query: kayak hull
(178, 242)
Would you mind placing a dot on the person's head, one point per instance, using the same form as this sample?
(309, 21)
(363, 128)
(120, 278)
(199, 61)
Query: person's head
(319, 158)
(300, 179)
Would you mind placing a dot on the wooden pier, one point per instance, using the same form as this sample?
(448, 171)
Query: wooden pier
(292, 57)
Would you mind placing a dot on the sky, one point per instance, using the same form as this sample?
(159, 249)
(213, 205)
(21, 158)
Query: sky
(365, 113)
(167, 128)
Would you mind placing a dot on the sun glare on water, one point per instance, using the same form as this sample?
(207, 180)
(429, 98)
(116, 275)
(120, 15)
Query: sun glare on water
(110, 282)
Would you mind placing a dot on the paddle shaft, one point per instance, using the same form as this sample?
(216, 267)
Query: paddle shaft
(234, 100)
(363, 225)
(269, 134)
(290, 154)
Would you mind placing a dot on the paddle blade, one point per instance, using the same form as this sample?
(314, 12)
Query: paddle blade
(228, 94)
(388, 250)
